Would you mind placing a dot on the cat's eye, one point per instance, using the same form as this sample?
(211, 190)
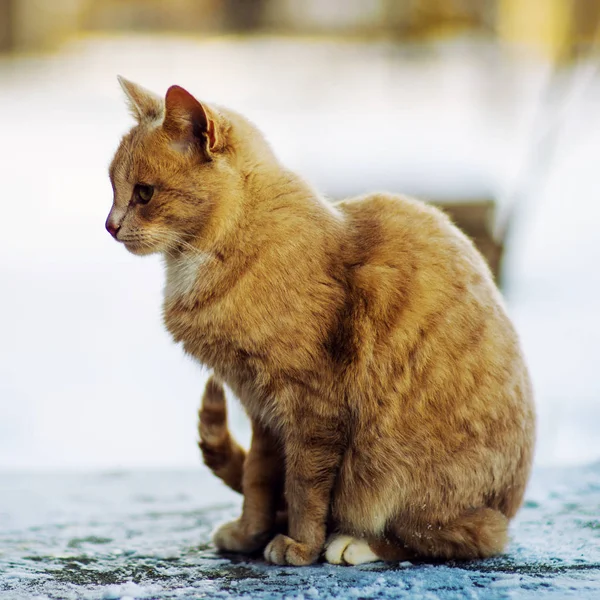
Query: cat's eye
(142, 193)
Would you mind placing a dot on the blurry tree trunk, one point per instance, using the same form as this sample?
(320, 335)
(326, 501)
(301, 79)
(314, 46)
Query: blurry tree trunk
(243, 15)
(6, 25)
(477, 219)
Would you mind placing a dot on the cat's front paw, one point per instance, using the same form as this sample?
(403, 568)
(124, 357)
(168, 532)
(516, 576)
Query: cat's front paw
(283, 550)
(236, 536)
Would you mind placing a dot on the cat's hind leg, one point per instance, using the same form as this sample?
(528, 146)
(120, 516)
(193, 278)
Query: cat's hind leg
(477, 533)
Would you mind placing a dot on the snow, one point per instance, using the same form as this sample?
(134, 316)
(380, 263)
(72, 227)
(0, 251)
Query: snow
(147, 535)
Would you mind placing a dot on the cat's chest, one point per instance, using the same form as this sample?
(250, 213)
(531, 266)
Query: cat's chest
(184, 276)
(208, 323)
(206, 333)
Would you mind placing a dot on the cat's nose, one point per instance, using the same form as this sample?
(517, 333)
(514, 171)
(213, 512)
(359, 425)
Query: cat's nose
(112, 227)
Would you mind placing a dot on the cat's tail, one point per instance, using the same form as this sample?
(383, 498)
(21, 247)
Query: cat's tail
(221, 453)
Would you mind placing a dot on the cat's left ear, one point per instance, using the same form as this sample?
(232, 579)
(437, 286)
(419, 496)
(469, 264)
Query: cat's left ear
(189, 122)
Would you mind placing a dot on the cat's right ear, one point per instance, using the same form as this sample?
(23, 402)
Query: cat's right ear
(191, 123)
(143, 104)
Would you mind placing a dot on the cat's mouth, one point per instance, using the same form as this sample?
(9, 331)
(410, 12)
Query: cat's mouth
(138, 249)
(137, 246)
(130, 245)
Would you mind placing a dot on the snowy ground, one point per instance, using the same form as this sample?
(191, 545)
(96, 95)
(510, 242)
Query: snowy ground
(146, 535)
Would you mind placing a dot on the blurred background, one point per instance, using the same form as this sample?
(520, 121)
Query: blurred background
(486, 107)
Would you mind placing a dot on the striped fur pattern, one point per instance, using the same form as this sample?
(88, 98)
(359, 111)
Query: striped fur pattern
(221, 453)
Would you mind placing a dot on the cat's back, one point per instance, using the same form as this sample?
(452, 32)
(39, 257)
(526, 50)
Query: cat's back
(389, 229)
(425, 302)
(408, 258)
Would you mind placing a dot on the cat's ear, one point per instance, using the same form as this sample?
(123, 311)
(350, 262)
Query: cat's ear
(143, 104)
(189, 122)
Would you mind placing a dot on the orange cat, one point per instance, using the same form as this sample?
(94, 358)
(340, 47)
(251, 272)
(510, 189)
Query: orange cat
(389, 401)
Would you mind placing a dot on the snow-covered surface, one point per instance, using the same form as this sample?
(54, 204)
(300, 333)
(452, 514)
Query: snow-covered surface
(147, 535)
(88, 376)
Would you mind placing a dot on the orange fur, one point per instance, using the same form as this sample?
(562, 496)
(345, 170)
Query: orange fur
(384, 381)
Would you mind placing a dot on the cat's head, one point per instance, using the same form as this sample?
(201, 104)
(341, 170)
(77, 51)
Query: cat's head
(175, 171)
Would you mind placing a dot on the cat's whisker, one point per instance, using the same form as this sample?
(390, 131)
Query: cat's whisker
(170, 237)
(148, 239)
(137, 240)
(172, 243)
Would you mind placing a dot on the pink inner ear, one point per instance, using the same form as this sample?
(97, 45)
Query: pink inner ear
(183, 111)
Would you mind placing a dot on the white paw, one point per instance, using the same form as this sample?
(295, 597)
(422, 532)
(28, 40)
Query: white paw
(334, 551)
(358, 552)
(345, 549)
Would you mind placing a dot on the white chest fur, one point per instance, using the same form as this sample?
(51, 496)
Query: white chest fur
(184, 274)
